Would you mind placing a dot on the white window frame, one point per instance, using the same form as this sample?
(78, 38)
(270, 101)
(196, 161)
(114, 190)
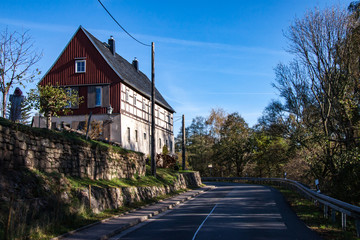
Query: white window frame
(134, 100)
(76, 66)
(96, 88)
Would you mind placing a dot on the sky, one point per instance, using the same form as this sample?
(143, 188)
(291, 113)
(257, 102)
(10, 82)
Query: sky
(208, 54)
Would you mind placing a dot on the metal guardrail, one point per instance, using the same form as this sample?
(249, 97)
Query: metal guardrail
(329, 204)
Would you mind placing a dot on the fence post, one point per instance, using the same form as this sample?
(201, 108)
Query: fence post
(333, 215)
(326, 211)
(343, 221)
(357, 225)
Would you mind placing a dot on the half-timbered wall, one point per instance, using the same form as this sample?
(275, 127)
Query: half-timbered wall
(131, 110)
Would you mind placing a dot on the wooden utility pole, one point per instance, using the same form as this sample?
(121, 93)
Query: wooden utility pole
(183, 143)
(153, 160)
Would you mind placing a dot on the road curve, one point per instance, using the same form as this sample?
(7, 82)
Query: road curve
(230, 211)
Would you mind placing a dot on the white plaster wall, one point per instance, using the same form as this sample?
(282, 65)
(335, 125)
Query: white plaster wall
(141, 145)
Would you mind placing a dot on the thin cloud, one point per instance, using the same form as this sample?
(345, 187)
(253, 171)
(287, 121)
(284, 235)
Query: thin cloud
(39, 26)
(236, 93)
(143, 37)
(219, 46)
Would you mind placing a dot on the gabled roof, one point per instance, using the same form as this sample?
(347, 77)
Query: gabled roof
(127, 72)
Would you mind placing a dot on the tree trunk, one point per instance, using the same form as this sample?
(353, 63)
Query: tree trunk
(4, 105)
(48, 121)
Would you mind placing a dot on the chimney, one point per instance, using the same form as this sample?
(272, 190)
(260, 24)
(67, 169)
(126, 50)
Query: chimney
(135, 63)
(111, 43)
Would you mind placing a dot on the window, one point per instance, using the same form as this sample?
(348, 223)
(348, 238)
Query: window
(134, 100)
(136, 135)
(127, 95)
(72, 91)
(160, 143)
(143, 105)
(98, 96)
(128, 129)
(80, 66)
(68, 92)
(144, 136)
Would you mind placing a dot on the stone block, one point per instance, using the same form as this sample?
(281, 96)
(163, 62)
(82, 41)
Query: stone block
(44, 142)
(21, 145)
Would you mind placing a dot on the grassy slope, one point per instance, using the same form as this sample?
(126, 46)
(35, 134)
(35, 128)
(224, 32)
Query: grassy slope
(48, 186)
(313, 217)
(58, 217)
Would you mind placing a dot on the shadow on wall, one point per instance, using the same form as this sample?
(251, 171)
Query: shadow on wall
(66, 153)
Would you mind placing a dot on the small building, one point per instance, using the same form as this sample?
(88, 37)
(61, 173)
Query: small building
(115, 91)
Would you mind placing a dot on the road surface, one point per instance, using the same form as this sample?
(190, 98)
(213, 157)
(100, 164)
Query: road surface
(230, 211)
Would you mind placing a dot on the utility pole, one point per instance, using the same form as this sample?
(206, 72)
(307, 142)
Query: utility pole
(183, 143)
(153, 160)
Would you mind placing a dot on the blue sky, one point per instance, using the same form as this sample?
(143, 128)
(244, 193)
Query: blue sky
(208, 54)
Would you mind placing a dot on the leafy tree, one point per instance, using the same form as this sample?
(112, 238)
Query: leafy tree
(233, 148)
(320, 88)
(17, 59)
(215, 121)
(53, 100)
(198, 144)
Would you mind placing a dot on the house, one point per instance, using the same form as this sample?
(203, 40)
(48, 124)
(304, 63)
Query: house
(115, 91)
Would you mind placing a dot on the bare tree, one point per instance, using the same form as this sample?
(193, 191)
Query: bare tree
(321, 89)
(17, 59)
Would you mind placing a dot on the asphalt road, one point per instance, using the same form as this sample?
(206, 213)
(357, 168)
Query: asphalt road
(230, 211)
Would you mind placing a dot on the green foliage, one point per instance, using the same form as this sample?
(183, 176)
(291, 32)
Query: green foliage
(320, 113)
(312, 216)
(54, 216)
(53, 100)
(221, 140)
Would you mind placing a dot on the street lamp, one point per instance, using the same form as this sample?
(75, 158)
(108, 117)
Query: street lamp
(210, 167)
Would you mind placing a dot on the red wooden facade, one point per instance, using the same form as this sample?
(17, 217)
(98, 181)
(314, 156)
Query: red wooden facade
(98, 72)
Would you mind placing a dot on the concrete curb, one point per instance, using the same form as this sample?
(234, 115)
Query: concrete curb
(140, 218)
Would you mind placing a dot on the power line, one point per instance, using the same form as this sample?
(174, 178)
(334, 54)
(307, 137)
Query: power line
(148, 45)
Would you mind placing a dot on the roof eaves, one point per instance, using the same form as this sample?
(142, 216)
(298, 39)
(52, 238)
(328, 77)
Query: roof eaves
(80, 27)
(105, 58)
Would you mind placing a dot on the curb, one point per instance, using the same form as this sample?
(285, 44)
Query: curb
(138, 220)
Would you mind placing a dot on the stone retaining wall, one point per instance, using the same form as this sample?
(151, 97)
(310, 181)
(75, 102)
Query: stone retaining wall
(73, 157)
(112, 198)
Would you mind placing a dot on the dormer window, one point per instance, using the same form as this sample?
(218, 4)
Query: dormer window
(80, 66)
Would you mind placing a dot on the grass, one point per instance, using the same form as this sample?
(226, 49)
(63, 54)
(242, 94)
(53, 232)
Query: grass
(59, 217)
(313, 217)
(164, 177)
(87, 217)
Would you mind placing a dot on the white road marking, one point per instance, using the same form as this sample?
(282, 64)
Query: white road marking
(203, 222)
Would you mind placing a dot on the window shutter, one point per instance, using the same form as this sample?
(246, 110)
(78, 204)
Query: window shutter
(91, 96)
(106, 96)
(75, 104)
